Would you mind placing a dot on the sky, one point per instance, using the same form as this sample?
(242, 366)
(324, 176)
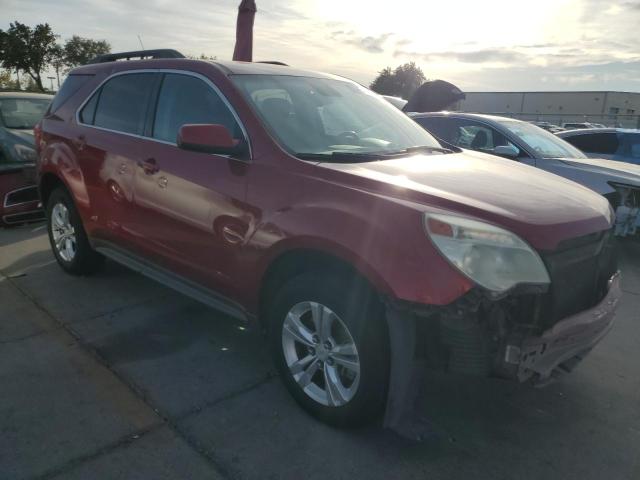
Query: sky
(488, 45)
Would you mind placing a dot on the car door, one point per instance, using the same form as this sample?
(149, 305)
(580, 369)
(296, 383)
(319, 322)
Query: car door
(108, 147)
(189, 206)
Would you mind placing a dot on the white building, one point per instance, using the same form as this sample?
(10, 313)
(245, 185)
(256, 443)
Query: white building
(609, 108)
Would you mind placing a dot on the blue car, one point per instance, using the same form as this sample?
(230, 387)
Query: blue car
(618, 144)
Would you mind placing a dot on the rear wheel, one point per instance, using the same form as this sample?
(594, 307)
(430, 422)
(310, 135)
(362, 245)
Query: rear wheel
(68, 239)
(329, 342)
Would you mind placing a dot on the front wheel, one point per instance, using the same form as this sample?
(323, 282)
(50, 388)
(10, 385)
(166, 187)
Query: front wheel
(329, 342)
(68, 239)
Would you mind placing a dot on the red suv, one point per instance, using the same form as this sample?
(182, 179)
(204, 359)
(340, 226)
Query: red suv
(305, 205)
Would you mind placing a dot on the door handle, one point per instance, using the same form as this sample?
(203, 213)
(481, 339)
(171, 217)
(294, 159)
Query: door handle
(79, 142)
(149, 166)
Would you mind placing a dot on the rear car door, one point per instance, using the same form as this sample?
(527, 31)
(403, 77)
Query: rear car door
(108, 144)
(189, 206)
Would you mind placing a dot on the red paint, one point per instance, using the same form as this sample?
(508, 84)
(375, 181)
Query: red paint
(222, 221)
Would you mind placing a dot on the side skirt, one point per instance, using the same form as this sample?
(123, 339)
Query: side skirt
(173, 281)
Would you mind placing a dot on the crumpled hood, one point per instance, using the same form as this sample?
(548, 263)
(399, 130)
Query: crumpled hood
(621, 172)
(24, 136)
(541, 207)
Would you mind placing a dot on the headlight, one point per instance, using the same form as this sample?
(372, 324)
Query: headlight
(494, 258)
(25, 153)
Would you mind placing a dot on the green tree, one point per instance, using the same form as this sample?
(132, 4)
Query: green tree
(79, 50)
(27, 49)
(6, 81)
(401, 82)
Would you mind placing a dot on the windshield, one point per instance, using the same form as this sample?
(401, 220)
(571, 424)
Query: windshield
(545, 144)
(22, 113)
(321, 117)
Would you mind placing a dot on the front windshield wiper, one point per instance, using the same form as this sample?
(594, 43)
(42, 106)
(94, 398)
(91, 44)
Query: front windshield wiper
(421, 149)
(370, 156)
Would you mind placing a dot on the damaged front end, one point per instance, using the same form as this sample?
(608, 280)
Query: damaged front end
(626, 204)
(530, 334)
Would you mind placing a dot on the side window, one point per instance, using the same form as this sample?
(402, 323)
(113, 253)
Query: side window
(88, 112)
(122, 103)
(185, 99)
(440, 127)
(605, 143)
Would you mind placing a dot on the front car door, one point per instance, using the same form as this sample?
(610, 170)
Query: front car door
(189, 206)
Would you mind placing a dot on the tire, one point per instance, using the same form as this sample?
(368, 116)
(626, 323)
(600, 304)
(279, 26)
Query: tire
(355, 306)
(63, 221)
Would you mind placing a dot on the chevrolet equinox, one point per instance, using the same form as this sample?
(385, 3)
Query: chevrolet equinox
(310, 208)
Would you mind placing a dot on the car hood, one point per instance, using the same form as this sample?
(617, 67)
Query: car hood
(617, 171)
(541, 207)
(24, 136)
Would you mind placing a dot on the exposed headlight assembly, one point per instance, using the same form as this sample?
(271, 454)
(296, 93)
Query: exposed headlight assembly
(25, 153)
(492, 257)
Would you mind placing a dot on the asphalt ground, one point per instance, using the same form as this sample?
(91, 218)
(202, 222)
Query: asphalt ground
(114, 376)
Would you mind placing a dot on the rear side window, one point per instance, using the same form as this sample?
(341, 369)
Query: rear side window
(604, 143)
(185, 99)
(70, 86)
(121, 103)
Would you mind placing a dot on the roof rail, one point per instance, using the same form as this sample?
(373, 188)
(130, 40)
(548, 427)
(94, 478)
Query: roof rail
(273, 62)
(139, 54)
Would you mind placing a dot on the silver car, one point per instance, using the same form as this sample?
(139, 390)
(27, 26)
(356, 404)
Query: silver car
(526, 143)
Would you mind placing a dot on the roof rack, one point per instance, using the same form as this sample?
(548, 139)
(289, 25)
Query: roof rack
(273, 62)
(139, 54)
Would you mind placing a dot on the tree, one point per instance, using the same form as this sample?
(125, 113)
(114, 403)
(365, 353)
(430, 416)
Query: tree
(5, 80)
(79, 50)
(58, 61)
(401, 82)
(27, 49)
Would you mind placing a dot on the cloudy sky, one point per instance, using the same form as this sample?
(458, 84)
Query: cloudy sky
(479, 45)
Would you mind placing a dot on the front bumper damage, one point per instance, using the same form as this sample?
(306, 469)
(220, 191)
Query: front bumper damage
(421, 339)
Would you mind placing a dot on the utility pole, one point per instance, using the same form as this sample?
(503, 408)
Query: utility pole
(141, 44)
(52, 79)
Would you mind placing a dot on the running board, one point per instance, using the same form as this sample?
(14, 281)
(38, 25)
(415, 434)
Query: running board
(173, 281)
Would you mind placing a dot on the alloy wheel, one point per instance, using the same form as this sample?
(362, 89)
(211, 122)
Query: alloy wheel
(321, 354)
(63, 233)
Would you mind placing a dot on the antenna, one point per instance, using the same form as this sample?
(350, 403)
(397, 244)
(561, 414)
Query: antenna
(140, 40)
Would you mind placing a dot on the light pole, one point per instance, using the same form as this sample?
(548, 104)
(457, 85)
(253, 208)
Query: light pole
(52, 79)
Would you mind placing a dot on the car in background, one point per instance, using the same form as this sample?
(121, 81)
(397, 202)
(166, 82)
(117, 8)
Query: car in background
(581, 125)
(618, 144)
(19, 113)
(526, 143)
(549, 127)
(306, 206)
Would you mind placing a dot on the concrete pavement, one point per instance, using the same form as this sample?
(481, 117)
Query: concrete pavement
(114, 376)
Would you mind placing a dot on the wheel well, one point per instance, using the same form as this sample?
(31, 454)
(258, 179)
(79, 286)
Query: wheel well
(297, 262)
(48, 183)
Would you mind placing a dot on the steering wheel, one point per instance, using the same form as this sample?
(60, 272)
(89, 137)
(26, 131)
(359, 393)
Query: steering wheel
(348, 136)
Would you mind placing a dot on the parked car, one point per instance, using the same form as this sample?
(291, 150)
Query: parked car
(581, 125)
(19, 112)
(306, 205)
(514, 139)
(618, 144)
(549, 127)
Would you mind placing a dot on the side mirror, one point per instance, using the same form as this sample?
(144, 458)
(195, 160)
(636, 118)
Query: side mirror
(207, 138)
(508, 151)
